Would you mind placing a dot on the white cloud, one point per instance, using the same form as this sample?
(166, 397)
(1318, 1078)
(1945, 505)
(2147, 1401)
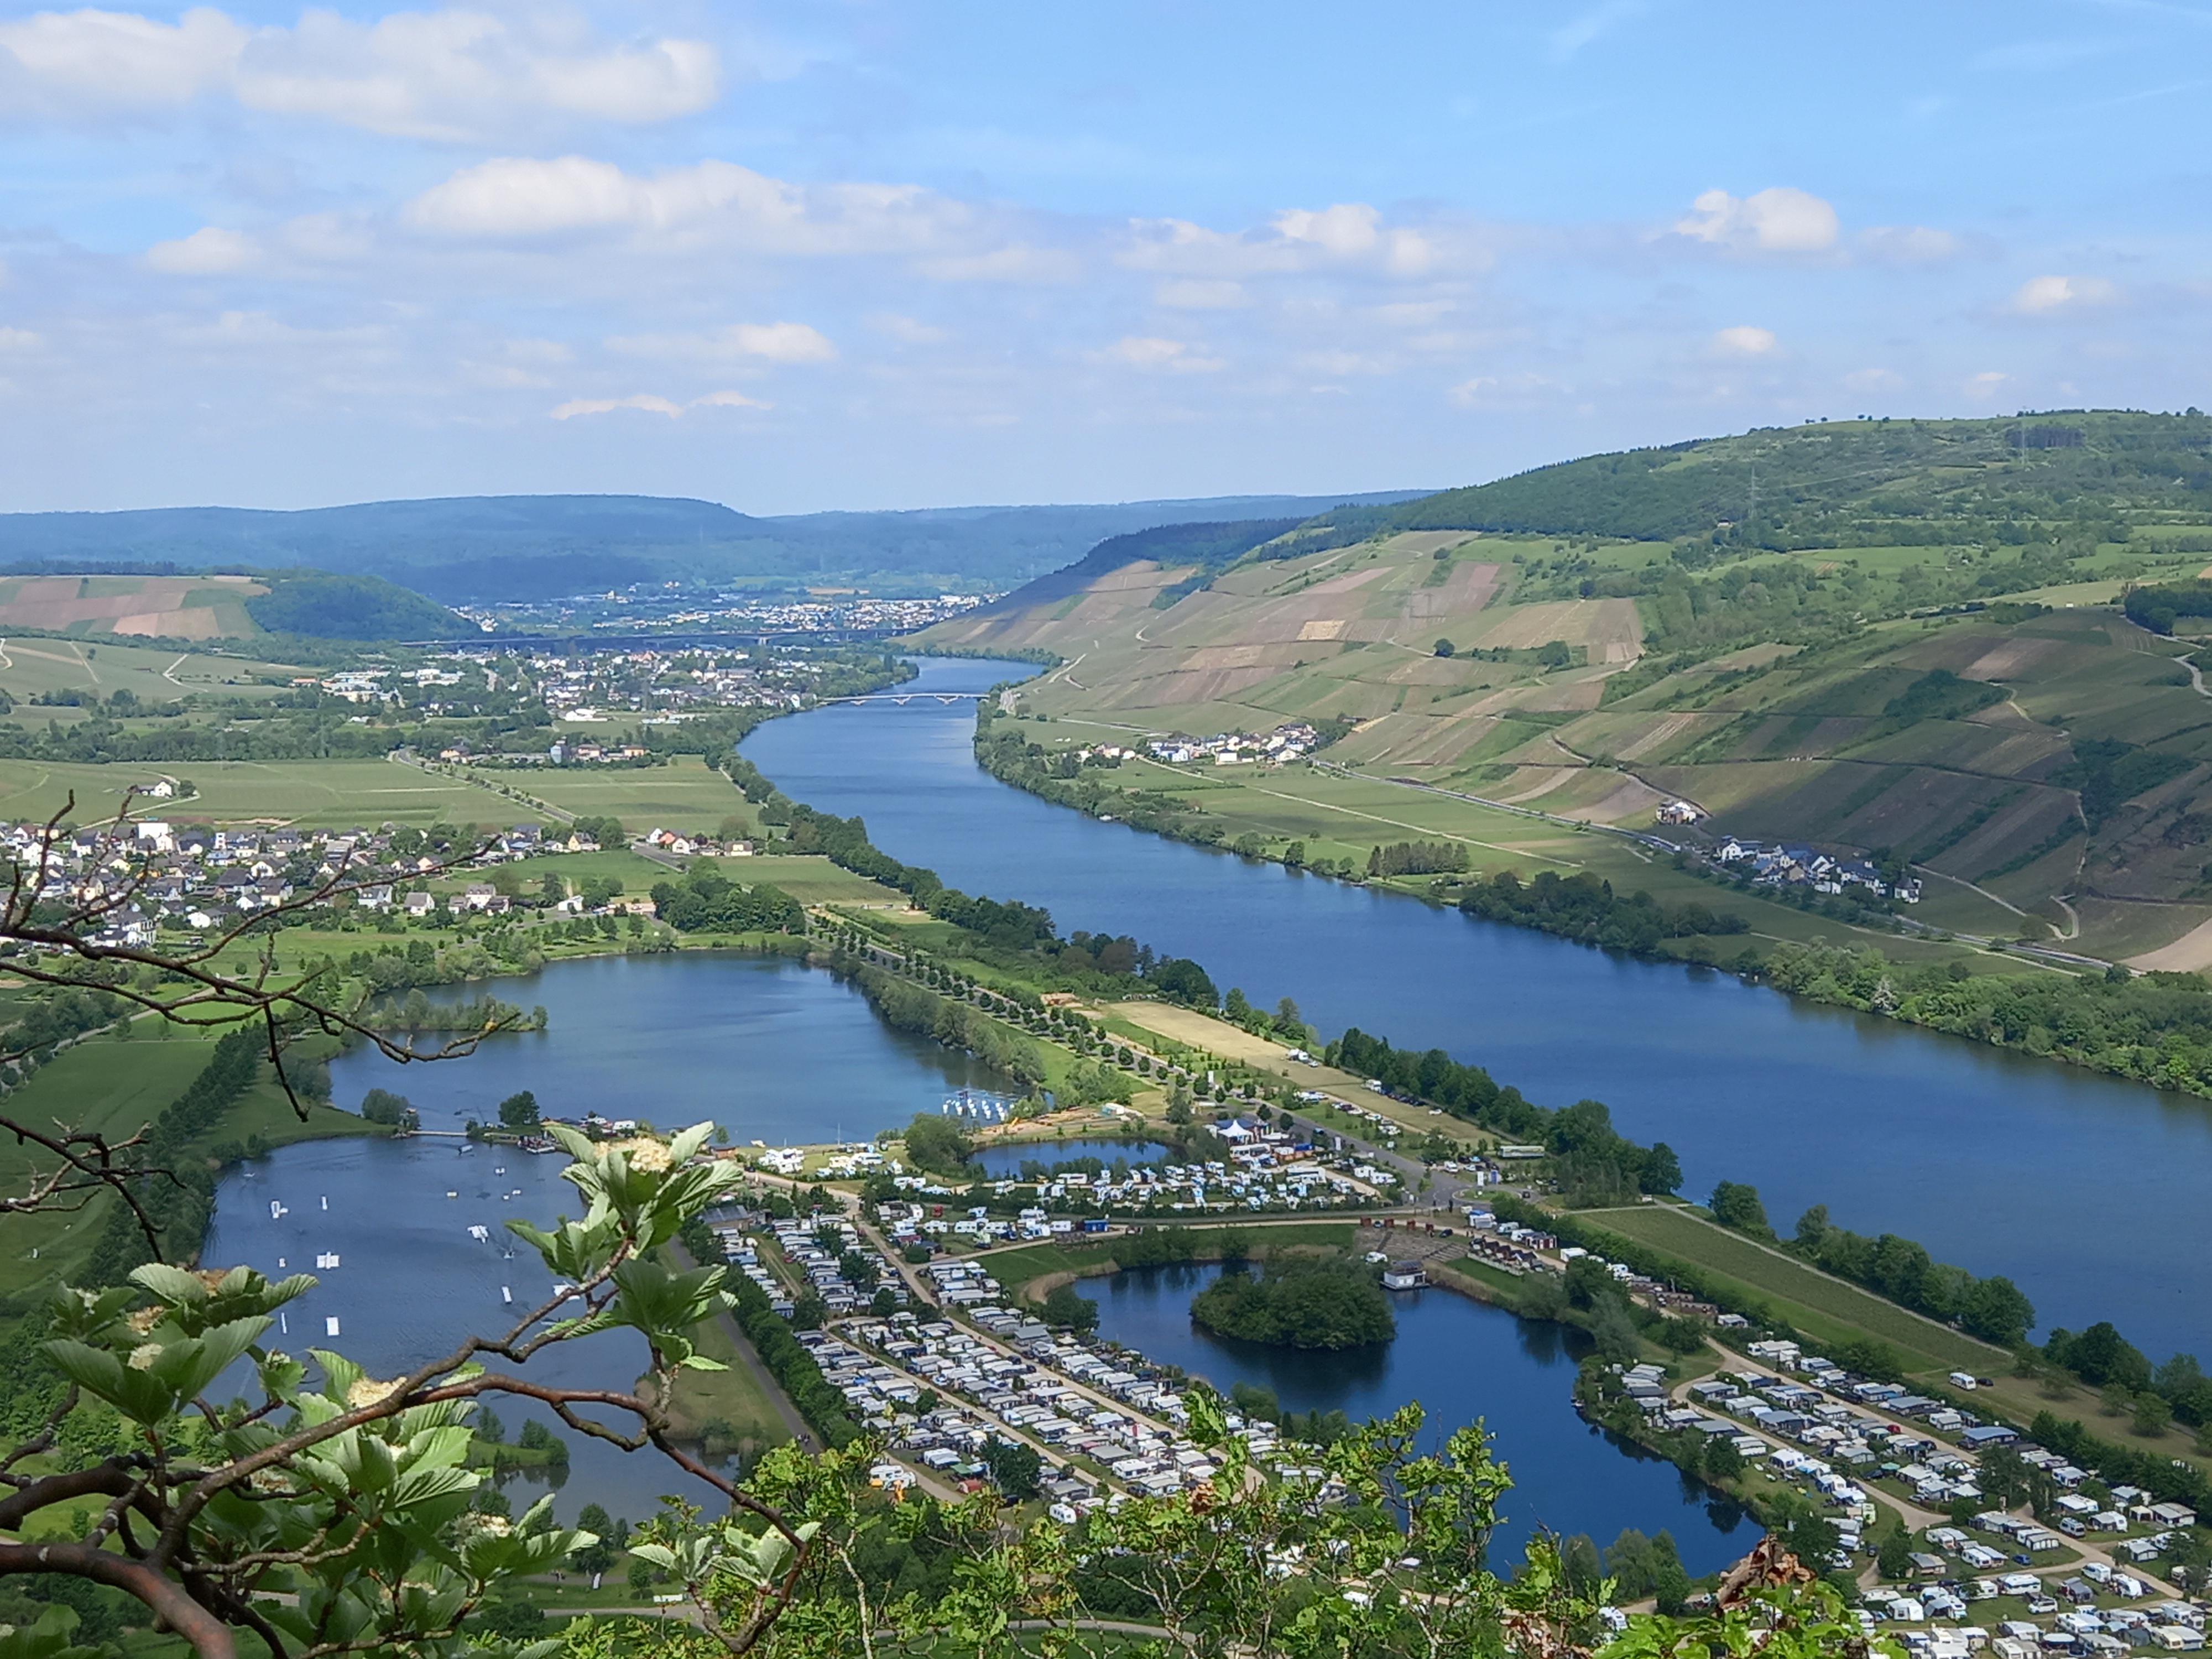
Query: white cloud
(208, 251)
(1779, 220)
(2040, 296)
(779, 342)
(1154, 353)
(1985, 384)
(444, 73)
(108, 60)
(644, 400)
(728, 400)
(1296, 240)
(18, 339)
(1200, 294)
(1744, 341)
(513, 197)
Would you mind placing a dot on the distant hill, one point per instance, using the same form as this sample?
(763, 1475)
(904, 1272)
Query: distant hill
(527, 547)
(184, 607)
(335, 607)
(1911, 644)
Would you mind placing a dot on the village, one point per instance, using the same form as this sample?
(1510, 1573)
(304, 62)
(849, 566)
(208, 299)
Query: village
(1853, 1447)
(152, 874)
(1285, 743)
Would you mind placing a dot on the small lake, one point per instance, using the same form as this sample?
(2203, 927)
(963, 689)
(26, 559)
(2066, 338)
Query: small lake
(769, 1048)
(1461, 1359)
(1004, 1162)
(411, 1282)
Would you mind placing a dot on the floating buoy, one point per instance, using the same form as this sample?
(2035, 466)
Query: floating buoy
(331, 1326)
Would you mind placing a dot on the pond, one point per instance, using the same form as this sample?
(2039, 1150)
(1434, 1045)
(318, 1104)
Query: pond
(1462, 1361)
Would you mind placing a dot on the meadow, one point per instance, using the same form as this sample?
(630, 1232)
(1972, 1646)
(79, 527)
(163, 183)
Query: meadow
(1826, 1310)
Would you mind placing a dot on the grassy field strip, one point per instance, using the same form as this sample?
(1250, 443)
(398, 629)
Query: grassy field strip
(1395, 823)
(1836, 1307)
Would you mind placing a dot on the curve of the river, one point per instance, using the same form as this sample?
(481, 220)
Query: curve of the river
(2086, 1189)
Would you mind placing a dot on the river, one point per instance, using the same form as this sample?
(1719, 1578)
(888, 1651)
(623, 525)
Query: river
(1998, 1161)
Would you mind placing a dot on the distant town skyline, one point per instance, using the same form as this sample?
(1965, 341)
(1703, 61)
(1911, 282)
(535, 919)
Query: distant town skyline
(794, 258)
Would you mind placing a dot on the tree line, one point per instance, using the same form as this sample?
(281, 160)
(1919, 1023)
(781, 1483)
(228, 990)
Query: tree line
(1585, 907)
(906, 1007)
(2155, 1028)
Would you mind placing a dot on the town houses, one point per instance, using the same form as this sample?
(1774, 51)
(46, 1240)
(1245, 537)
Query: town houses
(1779, 865)
(1285, 743)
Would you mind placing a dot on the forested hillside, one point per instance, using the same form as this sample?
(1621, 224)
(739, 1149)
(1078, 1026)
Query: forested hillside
(2074, 477)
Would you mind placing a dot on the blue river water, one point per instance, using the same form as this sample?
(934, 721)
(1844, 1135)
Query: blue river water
(1462, 1361)
(2085, 1189)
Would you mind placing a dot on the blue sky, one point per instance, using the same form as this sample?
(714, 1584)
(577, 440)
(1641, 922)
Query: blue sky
(846, 254)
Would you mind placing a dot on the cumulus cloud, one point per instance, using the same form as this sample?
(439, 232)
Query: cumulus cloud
(1985, 384)
(1161, 355)
(99, 61)
(644, 400)
(779, 342)
(1778, 220)
(1743, 340)
(2039, 296)
(520, 196)
(1296, 240)
(447, 74)
(18, 339)
(208, 251)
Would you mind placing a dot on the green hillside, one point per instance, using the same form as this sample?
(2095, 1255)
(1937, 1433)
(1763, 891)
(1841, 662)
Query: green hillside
(1914, 649)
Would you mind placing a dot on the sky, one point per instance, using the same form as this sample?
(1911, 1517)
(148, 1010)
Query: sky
(859, 254)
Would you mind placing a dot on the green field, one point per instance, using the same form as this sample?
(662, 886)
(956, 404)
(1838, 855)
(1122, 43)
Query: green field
(684, 795)
(117, 1087)
(1825, 1309)
(29, 666)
